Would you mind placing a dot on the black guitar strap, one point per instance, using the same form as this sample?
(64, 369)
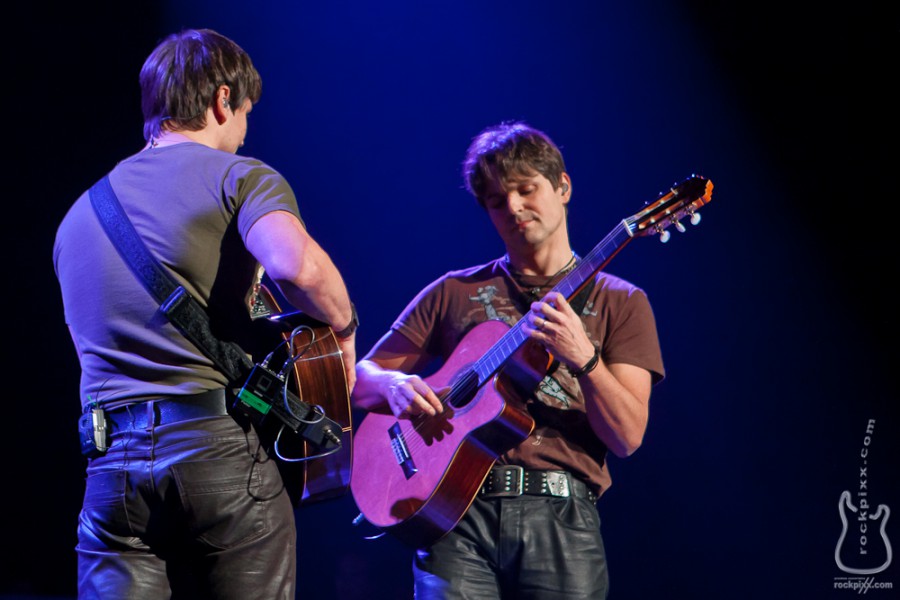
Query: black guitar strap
(577, 303)
(262, 392)
(176, 302)
(580, 299)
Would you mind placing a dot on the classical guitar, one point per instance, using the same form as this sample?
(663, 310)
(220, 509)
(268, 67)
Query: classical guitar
(415, 478)
(307, 360)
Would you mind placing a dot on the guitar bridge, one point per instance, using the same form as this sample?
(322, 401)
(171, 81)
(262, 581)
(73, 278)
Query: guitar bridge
(401, 451)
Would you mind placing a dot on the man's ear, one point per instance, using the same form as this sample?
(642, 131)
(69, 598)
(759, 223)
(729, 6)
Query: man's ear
(222, 106)
(565, 187)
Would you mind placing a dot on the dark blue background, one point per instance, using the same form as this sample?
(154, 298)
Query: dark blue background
(776, 314)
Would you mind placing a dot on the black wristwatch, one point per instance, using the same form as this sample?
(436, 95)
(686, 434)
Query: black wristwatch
(351, 328)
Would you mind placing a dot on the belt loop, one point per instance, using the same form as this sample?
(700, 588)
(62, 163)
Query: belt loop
(519, 487)
(153, 416)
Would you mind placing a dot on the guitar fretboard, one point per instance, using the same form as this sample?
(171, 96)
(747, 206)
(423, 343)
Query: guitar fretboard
(506, 346)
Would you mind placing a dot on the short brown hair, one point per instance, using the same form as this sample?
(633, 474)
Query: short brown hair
(510, 148)
(180, 78)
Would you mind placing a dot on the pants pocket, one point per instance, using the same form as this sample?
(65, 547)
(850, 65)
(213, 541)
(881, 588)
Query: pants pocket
(227, 501)
(104, 517)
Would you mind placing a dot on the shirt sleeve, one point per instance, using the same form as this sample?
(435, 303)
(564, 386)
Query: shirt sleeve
(256, 189)
(421, 317)
(633, 338)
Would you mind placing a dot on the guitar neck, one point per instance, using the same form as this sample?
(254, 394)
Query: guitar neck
(682, 200)
(596, 259)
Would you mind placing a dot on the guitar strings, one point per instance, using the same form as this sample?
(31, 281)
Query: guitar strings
(292, 358)
(468, 384)
(465, 386)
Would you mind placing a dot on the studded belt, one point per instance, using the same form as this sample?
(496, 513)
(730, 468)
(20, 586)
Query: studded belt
(506, 481)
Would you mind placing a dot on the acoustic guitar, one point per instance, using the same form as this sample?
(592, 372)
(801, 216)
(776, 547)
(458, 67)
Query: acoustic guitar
(299, 399)
(416, 477)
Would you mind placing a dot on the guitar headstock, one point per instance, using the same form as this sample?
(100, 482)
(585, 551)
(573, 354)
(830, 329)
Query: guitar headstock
(683, 200)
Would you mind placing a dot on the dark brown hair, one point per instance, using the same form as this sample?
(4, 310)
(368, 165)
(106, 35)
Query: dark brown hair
(180, 78)
(510, 148)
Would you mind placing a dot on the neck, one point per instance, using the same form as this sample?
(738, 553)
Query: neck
(168, 138)
(537, 264)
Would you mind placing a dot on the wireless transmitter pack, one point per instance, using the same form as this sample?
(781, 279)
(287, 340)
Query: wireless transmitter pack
(265, 396)
(93, 433)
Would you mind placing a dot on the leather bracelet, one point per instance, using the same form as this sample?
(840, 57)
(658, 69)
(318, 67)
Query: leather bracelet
(588, 366)
(351, 328)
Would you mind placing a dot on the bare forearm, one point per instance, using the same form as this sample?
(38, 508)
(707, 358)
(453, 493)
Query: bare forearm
(307, 277)
(317, 288)
(372, 385)
(381, 388)
(616, 396)
(617, 414)
(300, 268)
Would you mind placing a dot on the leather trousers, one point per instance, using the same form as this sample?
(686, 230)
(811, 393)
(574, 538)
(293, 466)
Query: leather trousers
(190, 509)
(522, 548)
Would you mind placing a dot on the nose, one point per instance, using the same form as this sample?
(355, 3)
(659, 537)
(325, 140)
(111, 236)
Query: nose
(514, 202)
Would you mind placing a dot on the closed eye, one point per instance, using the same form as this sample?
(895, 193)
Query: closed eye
(494, 201)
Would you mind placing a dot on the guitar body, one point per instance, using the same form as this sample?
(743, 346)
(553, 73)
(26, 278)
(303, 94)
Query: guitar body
(318, 379)
(451, 454)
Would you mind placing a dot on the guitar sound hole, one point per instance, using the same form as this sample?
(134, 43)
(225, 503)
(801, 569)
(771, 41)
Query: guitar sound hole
(463, 390)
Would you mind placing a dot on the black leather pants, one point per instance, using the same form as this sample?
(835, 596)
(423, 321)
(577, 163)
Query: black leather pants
(522, 548)
(182, 510)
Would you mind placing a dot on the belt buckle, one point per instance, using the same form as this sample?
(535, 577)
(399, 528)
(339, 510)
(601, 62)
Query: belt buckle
(513, 482)
(558, 484)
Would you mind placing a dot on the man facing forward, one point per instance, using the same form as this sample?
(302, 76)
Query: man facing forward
(542, 543)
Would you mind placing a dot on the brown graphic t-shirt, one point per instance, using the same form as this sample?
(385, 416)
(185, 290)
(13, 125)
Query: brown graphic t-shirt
(616, 315)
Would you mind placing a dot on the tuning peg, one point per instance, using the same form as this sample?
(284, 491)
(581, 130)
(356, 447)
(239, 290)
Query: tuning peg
(695, 218)
(681, 228)
(664, 235)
